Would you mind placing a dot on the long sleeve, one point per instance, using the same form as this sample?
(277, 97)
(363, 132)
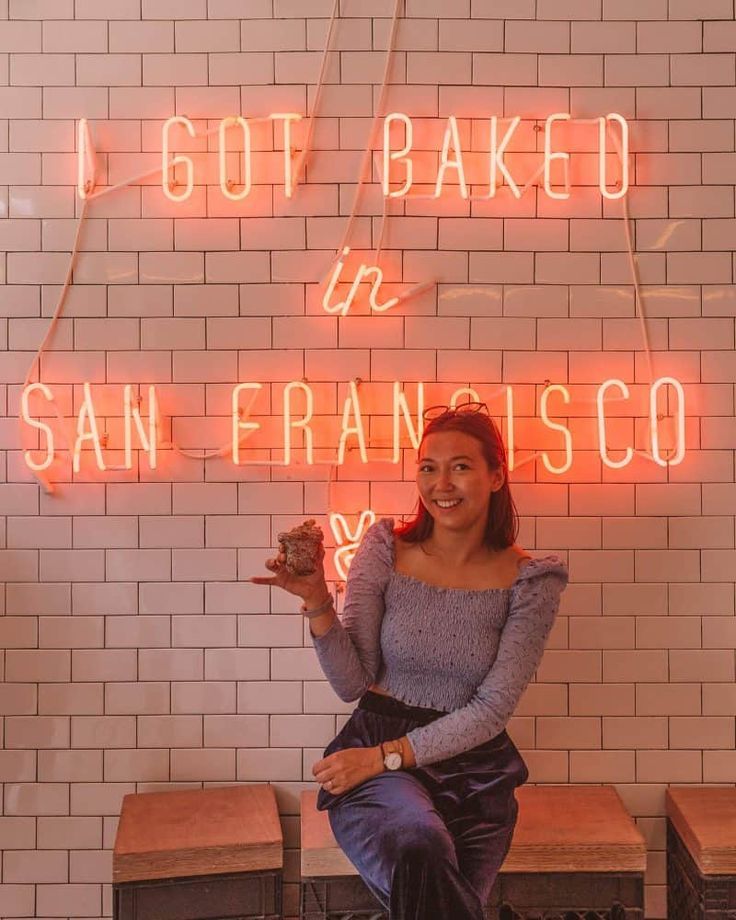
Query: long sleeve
(350, 651)
(534, 602)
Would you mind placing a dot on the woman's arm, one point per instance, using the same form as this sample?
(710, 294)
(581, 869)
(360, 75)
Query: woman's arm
(349, 651)
(409, 759)
(318, 626)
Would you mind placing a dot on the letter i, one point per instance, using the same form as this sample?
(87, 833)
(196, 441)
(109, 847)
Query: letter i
(343, 305)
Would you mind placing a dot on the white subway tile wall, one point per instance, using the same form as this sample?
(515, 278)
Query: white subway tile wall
(136, 655)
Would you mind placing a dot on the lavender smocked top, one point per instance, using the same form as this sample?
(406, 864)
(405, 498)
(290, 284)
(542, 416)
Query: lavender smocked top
(467, 652)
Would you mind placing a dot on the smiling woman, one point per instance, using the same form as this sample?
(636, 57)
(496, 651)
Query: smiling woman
(419, 784)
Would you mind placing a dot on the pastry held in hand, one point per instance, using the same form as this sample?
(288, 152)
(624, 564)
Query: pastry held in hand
(302, 547)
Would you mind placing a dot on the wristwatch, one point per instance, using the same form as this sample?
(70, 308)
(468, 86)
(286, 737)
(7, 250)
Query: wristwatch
(393, 760)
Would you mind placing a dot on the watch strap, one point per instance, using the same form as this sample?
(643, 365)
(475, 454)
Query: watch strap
(385, 753)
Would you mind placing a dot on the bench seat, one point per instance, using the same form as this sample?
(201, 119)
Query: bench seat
(199, 853)
(575, 849)
(701, 852)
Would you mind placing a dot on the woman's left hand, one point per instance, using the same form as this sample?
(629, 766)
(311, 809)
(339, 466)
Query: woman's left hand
(343, 770)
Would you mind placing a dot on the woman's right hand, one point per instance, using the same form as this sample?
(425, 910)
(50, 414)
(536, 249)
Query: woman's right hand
(308, 587)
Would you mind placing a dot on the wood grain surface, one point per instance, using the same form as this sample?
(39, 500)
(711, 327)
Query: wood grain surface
(560, 829)
(705, 819)
(197, 832)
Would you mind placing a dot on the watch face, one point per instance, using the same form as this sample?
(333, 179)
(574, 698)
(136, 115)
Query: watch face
(393, 761)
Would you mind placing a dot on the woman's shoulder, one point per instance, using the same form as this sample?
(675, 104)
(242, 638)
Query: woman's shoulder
(376, 548)
(381, 531)
(531, 568)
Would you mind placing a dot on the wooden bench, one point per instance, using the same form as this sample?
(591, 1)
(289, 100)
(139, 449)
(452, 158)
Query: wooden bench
(701, 853)
(576, 853)
(199, 853)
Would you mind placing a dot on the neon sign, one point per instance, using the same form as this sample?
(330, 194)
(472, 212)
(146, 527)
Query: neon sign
(451, 156)
(347, 541)
(364, 272)
(352, 429)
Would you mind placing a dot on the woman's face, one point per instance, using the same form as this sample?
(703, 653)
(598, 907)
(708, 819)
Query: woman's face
(454, 480)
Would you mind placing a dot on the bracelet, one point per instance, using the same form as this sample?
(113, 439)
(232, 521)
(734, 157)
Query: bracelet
(317, 611)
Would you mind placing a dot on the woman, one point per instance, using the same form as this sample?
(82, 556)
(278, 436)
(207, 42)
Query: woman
(445, 623)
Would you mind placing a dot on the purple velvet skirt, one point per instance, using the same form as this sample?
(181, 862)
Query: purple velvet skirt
(428, 841)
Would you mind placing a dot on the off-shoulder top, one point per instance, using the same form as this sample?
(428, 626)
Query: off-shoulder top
(467, 652)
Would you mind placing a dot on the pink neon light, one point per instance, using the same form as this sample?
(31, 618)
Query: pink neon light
(680, 417)
(132, 416)
(352, 406)
(497, 151)
(556, 426)
(397, 156)
(225, 183)
(624, 155)
(510, 458)
(550, 156)
(87, 414)
(401, 406)
(600, 404)
(353, 424)
(303, 422)
(86, 160)
(167, 183)
(39, 425)
(363, 273)
(451, 138)
(347, 541)
(287, 118)
(239, 426)
(451, 156)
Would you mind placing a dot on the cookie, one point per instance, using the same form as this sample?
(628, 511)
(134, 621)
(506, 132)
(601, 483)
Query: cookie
(301, 545)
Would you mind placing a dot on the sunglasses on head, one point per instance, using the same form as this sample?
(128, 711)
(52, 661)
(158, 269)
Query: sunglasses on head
(470, 408)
